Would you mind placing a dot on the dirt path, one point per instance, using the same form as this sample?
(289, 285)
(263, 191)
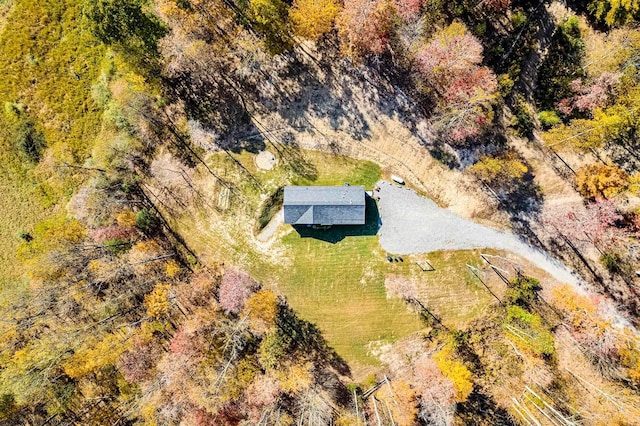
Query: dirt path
(270, 230)
(414, 224)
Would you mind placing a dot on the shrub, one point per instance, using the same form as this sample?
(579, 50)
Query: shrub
(27, 237)
(505, 85)
(147, 221)
(529, 331)
(548, 119)
(30, 141)
(518, 19)
(611, 261)
(522, 118)
(7, 404)
(523, 291)
(270, 208)
(117, 246)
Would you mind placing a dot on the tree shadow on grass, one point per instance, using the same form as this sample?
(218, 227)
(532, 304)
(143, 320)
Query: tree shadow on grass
(303, 337)
(337, 233)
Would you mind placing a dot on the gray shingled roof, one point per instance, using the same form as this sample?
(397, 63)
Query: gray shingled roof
(324, 205)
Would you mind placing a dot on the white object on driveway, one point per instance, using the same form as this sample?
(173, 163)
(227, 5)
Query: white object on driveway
(397, 179)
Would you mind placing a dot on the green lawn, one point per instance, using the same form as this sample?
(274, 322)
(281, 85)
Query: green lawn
(334, 279)
(340, 287)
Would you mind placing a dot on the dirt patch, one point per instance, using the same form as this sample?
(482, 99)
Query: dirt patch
(270, 209)
(269, 231)
(265, 160)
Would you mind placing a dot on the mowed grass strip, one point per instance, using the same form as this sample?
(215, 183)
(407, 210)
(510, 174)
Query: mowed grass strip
(451, 291)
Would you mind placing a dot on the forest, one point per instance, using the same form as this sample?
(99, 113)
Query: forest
(144, 279)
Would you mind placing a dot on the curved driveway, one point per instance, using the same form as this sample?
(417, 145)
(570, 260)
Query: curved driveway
(414, 224)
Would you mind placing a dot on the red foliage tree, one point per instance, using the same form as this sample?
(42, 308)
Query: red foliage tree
(114, 232)
(137, 364)
(365, 25)
(497, 5)
(409, 10)
(182, 343)
(597, 94)
(436, 392)
(234, 290)
(264, 391)
(592, 224)
(450, 63)
(203, 418)
(449, 55)
(475, 82)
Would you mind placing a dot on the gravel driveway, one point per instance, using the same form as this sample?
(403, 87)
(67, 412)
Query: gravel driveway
(414, 224)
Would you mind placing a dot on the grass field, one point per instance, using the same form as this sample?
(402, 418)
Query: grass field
(49, 61)
(5, 9)
(19, 210)
(334, 279)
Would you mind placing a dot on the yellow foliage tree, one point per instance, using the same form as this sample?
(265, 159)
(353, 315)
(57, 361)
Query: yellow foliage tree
(94, 357)
(629, 345)
(238, 382)
(597, 180)
(312, 18)
(456, 372)
(262, 309)
(126, 218)
(50, 237)
(584, 134)
(172, 268)
(271, 20)
(157, 302)
(492, 168)
(295, 378)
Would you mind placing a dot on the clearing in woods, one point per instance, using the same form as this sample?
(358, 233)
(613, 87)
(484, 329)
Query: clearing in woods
(336, 278)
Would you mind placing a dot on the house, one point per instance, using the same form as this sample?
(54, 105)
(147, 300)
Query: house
(324, 205)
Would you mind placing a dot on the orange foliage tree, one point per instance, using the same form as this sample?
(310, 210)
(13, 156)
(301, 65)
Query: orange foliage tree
(596, 180)
(262, 309)
(612, 347)
(313, 18)
(401, 400)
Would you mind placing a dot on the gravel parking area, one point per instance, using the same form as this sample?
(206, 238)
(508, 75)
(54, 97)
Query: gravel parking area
(414, 224)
